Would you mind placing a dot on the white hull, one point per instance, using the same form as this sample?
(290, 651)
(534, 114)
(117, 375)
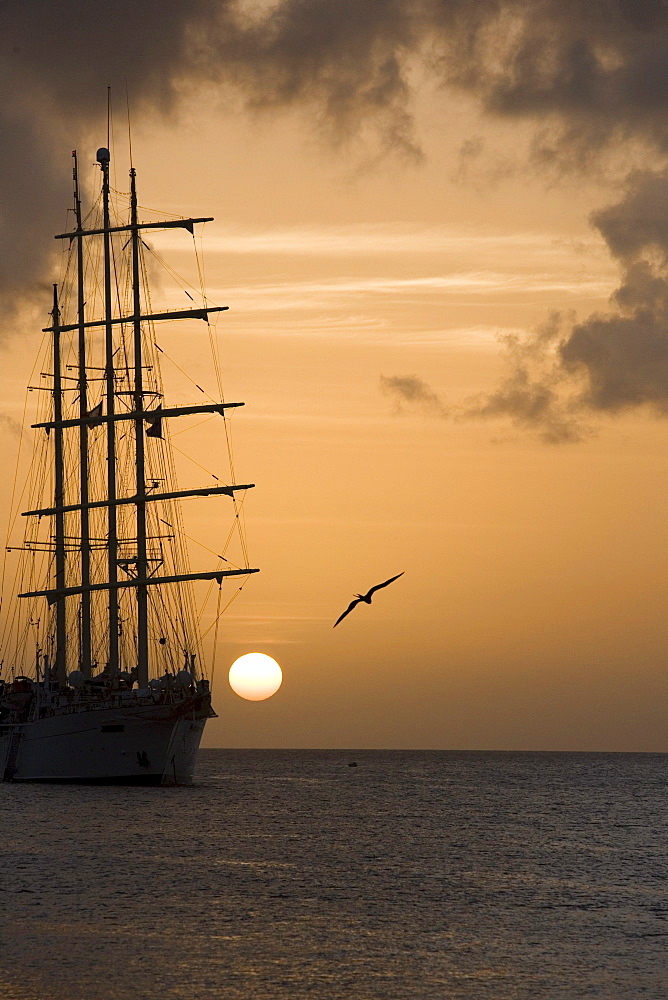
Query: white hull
(126, 745)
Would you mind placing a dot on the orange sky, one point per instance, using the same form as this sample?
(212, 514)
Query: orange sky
(532, 610)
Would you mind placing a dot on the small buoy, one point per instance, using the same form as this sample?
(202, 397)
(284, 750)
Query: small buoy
(353, 763)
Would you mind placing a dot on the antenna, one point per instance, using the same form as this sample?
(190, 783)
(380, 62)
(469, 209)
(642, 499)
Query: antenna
(110, 127)
(75, 178)
(127, 104)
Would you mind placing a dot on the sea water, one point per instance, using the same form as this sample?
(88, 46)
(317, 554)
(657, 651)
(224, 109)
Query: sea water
(293, 874)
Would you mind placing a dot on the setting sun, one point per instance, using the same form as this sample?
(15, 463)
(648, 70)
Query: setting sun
(255, 676)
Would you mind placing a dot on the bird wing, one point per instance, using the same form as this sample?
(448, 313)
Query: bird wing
(346, 612)
(379, 586)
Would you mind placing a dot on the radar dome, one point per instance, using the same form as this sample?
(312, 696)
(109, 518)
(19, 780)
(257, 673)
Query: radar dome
(76, 678)
(103, 155)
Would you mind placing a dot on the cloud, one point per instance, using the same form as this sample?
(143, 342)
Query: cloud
(639, 223)
(378, 239)
(589, 77)
(532, 393)
(11, 425)
(536, 394)
(412, 394)
(589, 73)
(623, 354)
(345, 59)
(609, 362)
(54, 68)
(309, 295)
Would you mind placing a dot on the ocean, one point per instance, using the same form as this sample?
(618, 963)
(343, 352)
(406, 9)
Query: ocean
(283, 875)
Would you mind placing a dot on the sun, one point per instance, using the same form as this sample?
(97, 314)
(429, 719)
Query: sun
(255, 676)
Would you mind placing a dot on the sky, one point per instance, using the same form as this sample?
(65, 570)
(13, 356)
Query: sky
(442, 232)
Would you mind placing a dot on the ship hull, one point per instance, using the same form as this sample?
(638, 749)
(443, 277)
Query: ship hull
(134, 745)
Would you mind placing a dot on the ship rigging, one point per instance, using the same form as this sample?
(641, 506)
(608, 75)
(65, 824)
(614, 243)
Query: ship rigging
(122, 625)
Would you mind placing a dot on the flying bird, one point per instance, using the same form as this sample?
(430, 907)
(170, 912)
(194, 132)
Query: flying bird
(366, 597)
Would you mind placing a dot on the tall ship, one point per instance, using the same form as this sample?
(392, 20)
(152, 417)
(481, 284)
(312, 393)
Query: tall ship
(103, 676)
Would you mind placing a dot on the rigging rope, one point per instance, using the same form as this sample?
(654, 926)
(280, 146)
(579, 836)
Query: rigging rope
(178, 615)
(215, 635)
(224, 609)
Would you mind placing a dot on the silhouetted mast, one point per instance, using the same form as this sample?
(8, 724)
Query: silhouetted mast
(103, 158)
(59, 497)
(139, 415)
(142, 565)
(85, 642)
(103, 489)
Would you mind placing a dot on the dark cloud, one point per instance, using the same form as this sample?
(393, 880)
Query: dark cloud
(589, 76)
(598, 68)
(412, 394)
(638, 224)
(623, 355)
(31, 200)
(532, 393)
(610, 362)
(55, 64)
(344, 58)
(10, 425)
(623, 358)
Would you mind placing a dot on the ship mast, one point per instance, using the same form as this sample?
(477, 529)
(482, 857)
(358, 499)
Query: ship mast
(142, 565)
(85, 644)
(103, 158)
(59, 497)
(139, 416)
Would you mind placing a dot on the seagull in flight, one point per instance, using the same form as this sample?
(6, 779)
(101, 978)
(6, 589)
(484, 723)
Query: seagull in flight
(366, 597)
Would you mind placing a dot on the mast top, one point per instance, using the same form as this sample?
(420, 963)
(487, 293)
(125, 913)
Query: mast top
(103, 156)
